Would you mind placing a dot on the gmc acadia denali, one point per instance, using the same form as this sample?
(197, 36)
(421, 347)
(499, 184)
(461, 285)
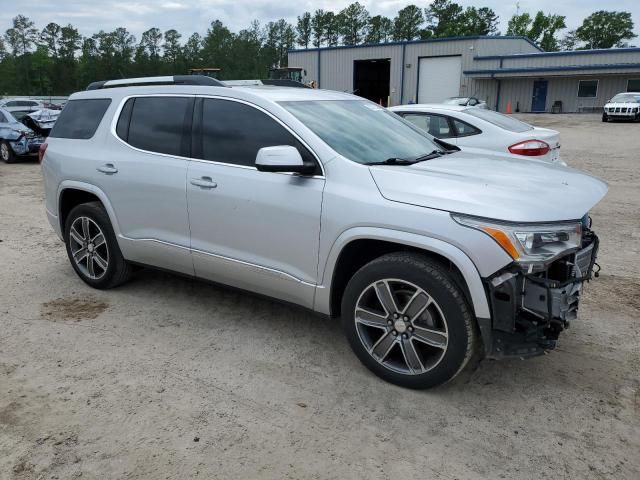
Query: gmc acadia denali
(323, 199)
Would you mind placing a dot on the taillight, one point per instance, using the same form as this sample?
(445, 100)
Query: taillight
(43, 148)
(530, 148)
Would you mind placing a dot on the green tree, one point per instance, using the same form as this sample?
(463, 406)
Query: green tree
(541, 29)
(331, 29)
(50, 38)
(379, 29)
(604, 29)
(172, 49)
(193, 51)
(408, 23)
(444, 19)
(280, 37)
(479, 21)
(318, 27)
(352, 23)
(22, 36)
(304, 29)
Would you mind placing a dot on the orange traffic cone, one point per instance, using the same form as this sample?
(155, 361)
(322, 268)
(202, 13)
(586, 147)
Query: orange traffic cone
(509, 106)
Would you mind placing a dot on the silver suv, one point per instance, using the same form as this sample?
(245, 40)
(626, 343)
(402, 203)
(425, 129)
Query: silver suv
(328, 201)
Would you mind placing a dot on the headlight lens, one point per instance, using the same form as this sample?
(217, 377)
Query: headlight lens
(529, 243)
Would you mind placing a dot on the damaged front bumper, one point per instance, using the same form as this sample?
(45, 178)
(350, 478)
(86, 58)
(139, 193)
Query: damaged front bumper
(529, 310)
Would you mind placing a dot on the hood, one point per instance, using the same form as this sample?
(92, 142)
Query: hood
(493, 187)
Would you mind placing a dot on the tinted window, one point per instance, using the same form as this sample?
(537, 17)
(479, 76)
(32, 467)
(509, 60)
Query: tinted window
(362, 131)
(2, 118)
(499, 120)
(588, 88)
(80, 118)
(463, 129)
(161, 124)
(122, 129)
(233, 132)
(11, 104)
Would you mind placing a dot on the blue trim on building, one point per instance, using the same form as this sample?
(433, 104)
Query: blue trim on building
(428, 40)
(553, 69)
(565, 53)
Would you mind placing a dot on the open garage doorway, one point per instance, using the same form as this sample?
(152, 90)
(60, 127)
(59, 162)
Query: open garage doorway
(371, 79)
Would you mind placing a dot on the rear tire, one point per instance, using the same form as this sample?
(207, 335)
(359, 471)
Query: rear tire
(92, 247)
(6, 152)
(421, 334)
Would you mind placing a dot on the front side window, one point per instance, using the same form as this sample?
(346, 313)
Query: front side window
(79, 119)
(362, 131)
(233, 132)
(587, 88)
(158, 124)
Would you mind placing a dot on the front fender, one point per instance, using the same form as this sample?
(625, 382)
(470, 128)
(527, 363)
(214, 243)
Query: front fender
(469, 272)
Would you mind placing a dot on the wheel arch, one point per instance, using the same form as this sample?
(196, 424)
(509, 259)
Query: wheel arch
(357, 246)
(73, 193)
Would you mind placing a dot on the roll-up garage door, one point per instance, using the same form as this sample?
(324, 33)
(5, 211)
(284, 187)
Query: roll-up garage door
(439, 78)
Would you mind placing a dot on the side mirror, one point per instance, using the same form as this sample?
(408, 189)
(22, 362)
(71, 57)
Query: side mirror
(283, 158)
(473, 102)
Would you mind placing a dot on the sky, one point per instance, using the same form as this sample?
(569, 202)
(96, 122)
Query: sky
(188, 16)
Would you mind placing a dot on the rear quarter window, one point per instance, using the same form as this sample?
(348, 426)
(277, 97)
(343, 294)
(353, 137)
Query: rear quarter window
(79, 119)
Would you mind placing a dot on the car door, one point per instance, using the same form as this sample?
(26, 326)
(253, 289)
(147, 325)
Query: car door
(254, 230)
(143, 173)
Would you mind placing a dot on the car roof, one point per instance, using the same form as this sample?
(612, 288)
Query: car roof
(431, 106)
(273, 94)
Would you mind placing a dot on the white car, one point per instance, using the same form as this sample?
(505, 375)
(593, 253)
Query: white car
(624, 106)
(20, 105)
(466, 102)
(485, 129)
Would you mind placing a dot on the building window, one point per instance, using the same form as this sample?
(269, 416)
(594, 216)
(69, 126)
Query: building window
(588, 88)
(633, 85)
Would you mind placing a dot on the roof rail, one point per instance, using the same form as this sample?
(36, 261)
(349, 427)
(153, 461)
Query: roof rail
(166, 80)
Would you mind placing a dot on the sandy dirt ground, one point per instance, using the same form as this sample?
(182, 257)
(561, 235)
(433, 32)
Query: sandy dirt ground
(167, 377)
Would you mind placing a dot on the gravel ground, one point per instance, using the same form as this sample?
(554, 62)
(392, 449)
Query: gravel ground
(167, 377)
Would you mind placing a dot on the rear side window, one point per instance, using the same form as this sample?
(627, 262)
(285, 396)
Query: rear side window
(499, 120)
(233, 132)
(157, 124)
(463, 129)
(79, 119)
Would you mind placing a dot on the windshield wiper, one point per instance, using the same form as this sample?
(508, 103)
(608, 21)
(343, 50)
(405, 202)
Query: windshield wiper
(430, 156)
(392, 161)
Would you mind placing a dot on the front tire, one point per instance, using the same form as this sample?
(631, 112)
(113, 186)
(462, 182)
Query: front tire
(92, 247)
(6, 152)
(605, 118)
(408, 321)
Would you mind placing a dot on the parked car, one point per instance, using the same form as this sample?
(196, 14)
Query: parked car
(16, 139)
(623, 106)
(20, 105)
(473, 127)
(41, 121)
(466, 102)
(328, 201)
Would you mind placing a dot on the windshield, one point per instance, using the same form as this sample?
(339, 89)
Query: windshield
(362, 131)
(499, 120)
(625, 98)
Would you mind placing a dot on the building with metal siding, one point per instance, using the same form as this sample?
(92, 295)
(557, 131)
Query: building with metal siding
(499, 70)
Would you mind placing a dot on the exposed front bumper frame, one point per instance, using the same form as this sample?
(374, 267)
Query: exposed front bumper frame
(528, 312)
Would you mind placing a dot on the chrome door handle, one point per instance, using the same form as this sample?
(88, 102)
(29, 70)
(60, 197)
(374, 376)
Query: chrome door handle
(204, 182)
(108, 168)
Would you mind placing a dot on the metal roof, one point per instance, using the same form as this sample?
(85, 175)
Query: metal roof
(564, 53)
(427, 40)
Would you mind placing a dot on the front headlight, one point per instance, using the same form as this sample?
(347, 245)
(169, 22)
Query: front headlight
(529, 243)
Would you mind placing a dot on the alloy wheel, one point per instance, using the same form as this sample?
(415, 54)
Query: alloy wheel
(401, 326)
(89, 248)
(4, 151)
